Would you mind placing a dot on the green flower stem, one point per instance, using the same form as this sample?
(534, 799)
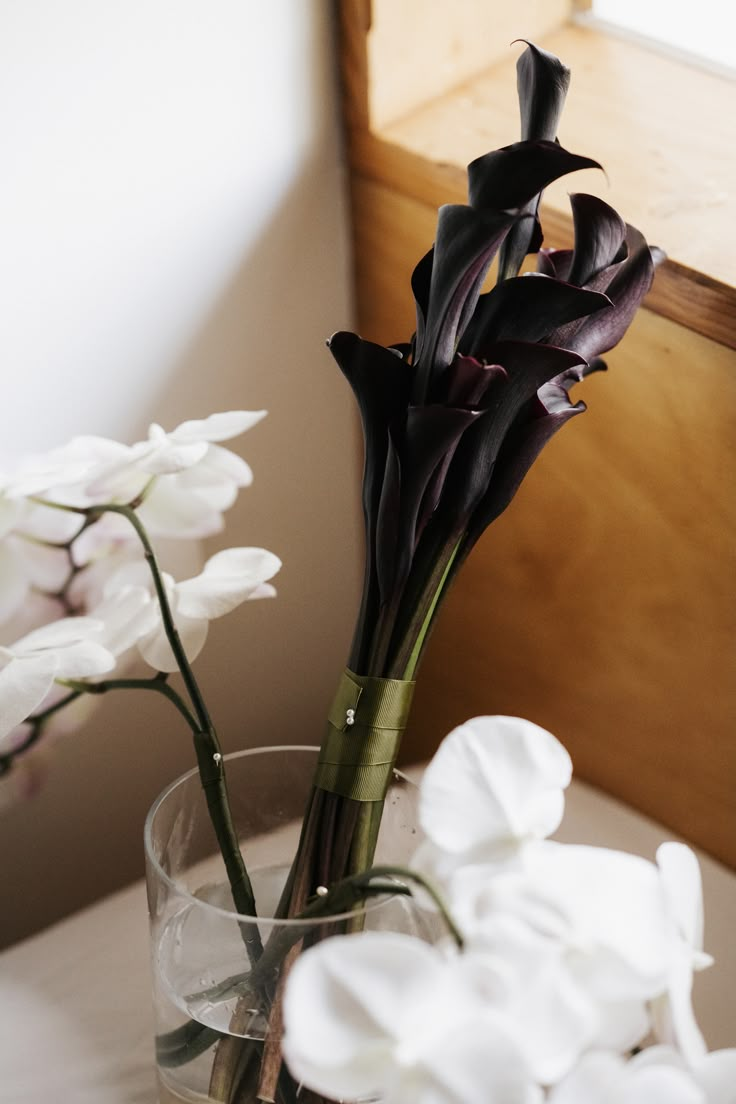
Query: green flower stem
(206, 744)
(157, 684)
(172, 633)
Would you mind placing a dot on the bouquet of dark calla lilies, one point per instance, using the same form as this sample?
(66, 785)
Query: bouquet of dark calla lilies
(452, 421)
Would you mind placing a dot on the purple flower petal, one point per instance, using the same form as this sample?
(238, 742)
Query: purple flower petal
(508, 178)
(527, 308)
(632, 280)
(542, 82)
(467, 242)
(600, 233)
(528, 367)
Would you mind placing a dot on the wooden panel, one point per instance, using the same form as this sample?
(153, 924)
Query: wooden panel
(601, 604)
(418, 49)
(661, 130)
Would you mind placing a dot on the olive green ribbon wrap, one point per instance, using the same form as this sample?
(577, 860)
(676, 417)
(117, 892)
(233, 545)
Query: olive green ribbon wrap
(364, 728)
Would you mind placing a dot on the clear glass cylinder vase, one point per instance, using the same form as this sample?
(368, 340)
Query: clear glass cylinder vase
(212, 1004)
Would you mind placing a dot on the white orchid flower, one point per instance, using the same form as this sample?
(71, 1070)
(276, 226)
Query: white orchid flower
(124, 615)
(194, 479)
(606, 1078)
(68, 649)
(382, 1013)
(584, 932)
(60, 473)
(618, 926)
(494, 784)
(674, 1019)
(553, 1017)
(656, 1075)
(228, 578)
(27, 560)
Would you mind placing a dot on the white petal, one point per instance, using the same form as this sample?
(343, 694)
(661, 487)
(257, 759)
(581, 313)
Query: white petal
(128, 614)
(57, 634)
(223, 465)
(217, 427)
(475, 1059)
(170, 511)
(264, 590)
(170, 456)
(14, 582)
(673, 1017)
(343, 1007)
(555, 1020)
(680, 872)
(254, 564)
(492, 779)
(46, 568)
(717, 1075)
(156, 650)
(119, 482)
(619, 929)
(604, 1078)
(12, 512)
(24, 683)
(228, 578)
(83, 660)
(622, 1025)
(204, 485)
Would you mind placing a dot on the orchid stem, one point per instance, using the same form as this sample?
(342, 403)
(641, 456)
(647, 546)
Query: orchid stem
(158, 684)
(206, 744)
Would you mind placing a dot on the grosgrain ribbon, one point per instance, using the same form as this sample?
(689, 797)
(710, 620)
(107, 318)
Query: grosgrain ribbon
(364, 728)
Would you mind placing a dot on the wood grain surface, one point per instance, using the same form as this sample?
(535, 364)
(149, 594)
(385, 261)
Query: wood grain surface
(419, 50)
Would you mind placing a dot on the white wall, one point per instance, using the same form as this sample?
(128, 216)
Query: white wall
(173, 242)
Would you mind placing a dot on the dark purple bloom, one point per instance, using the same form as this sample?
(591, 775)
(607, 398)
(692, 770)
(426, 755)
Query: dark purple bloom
(454, 418)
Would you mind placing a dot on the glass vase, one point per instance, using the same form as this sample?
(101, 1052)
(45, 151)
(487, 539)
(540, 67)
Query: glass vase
(215, 971)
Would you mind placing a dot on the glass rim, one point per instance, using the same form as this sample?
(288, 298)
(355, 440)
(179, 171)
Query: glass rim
(232, 915)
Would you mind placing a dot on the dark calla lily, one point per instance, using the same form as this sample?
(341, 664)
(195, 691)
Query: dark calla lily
(454, 418)
(535, 425)
(600, 240)
(626, 282)
(527, 308)
(542, 82)
(512, 176)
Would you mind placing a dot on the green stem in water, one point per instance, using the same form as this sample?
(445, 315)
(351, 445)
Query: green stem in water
(180, 1046)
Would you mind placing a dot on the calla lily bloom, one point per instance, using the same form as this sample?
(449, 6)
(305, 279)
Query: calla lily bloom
(454, 418)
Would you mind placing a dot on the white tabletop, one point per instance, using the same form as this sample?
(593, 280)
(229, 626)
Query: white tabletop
(75, 1002)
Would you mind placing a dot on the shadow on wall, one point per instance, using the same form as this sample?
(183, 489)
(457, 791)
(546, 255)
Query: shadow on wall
(269, 668)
